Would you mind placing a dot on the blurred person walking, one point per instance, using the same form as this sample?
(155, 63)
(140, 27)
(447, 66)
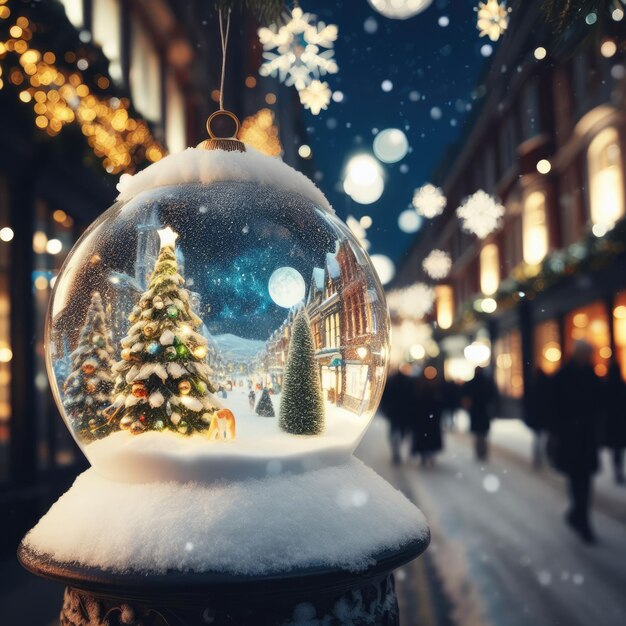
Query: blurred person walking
(397, 403)
(574, 433)
(540, 413)
(478, 394)
(615, 426)
(426, 423)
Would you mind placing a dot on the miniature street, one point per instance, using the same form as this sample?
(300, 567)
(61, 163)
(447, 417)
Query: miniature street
(500, 553)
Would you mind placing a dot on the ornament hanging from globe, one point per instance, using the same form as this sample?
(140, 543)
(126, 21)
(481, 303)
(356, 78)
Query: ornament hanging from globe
(206, 263)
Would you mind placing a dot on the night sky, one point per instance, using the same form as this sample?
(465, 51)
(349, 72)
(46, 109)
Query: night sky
(442, 64)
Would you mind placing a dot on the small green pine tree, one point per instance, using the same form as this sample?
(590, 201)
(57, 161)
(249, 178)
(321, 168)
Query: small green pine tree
(265, 408)
(87, 389)
(302, 402)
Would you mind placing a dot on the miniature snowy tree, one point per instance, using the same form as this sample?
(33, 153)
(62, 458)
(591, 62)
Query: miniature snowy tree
(302, 402)
(163, 378)
(87, 389)
(265, 408)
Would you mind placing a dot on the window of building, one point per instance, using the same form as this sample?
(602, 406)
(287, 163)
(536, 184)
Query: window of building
(175, 125)
(619, 329)
(332, 331)
(548, 349)
(590, 324)
(606, 183)
(489, 269)
(509, 365)
(74, 11)
(445, 306)
(535, 228)
(145, 73)
(107, 27)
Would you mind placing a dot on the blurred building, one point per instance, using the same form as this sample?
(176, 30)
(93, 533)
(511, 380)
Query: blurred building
(91, 89)
(548, 140)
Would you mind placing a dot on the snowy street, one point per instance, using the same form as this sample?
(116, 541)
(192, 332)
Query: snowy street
(500, 552)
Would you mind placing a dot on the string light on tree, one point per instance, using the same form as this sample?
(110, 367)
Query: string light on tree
(429, 201)
(437, 264)
(480, 214)
(493, 19)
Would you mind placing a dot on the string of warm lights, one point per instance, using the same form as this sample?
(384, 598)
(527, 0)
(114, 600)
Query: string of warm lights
(60, 97)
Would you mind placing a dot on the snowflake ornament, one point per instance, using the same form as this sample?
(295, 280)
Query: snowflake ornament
(480, 214)
(429, 201)
(299, 50)
(437, 264)
(493, 19)
(315, 96)
(411, 303)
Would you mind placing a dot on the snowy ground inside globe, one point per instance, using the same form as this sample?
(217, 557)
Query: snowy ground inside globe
(260, 448)
(340, 516)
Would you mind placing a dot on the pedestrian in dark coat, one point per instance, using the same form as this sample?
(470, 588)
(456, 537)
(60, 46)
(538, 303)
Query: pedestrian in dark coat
(574, 432)
(478, 395)
(397, 403)
(426, 424)
(615, 425)
(540, 412)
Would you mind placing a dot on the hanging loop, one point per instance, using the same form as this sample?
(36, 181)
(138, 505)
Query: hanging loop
(217, 115)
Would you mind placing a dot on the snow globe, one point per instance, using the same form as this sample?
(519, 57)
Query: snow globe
(217, 344)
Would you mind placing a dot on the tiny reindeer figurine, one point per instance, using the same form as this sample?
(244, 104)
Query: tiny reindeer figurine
(222, 426)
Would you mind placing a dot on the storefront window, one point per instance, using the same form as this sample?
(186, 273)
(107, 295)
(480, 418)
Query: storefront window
(145, 74)
(489, 269)
(590, 324)
(606, 183)
(445, 306)
(509, 365)
(74, 11)
(548, 349)
(535, 228)
(107, 26)
(175, 134)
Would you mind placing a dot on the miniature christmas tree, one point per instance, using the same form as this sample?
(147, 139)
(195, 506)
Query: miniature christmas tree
(87, 389)
(163, 378)
(265, 408)
(302, 403)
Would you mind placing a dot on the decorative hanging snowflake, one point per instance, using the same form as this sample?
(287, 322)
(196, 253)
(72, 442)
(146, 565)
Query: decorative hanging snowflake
(480, 214)
(411, 303)
(294, 49)
(437, 264)
(429, 201)
(315, 96)
(493, 19)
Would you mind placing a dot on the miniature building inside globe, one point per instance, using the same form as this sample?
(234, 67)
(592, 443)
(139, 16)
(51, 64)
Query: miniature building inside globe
(219, 321)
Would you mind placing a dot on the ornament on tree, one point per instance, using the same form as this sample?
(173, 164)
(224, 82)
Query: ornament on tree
(302, 403)
(429, 201)
(480, 214)
(437, 264)
(139, 390)
(184, 387)
(493, 18)
(293, 52)
(87, 389)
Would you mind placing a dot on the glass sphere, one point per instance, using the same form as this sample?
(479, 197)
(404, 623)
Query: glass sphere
(217, 330)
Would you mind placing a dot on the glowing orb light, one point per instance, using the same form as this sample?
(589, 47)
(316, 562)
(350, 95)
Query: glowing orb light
(391, 145)
(400, 9)
(384, 267)
(409, 221)
(363, 179)
(286, 287)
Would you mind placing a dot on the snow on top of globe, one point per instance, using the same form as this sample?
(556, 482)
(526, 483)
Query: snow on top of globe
(197, 165)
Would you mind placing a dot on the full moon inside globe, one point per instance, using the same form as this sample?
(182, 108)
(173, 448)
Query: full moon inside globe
(286, 287)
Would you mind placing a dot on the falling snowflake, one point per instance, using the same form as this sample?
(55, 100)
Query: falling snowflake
(294, 50)
(493, 18)
(437, 264)
(480, 214)
(429, 201)
(411, 303)
(315, 96)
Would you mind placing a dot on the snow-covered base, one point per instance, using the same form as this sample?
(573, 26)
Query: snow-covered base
(334, 517)
(260, 448)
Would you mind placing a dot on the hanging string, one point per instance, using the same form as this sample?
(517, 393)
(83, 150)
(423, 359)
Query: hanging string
(224, 38)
